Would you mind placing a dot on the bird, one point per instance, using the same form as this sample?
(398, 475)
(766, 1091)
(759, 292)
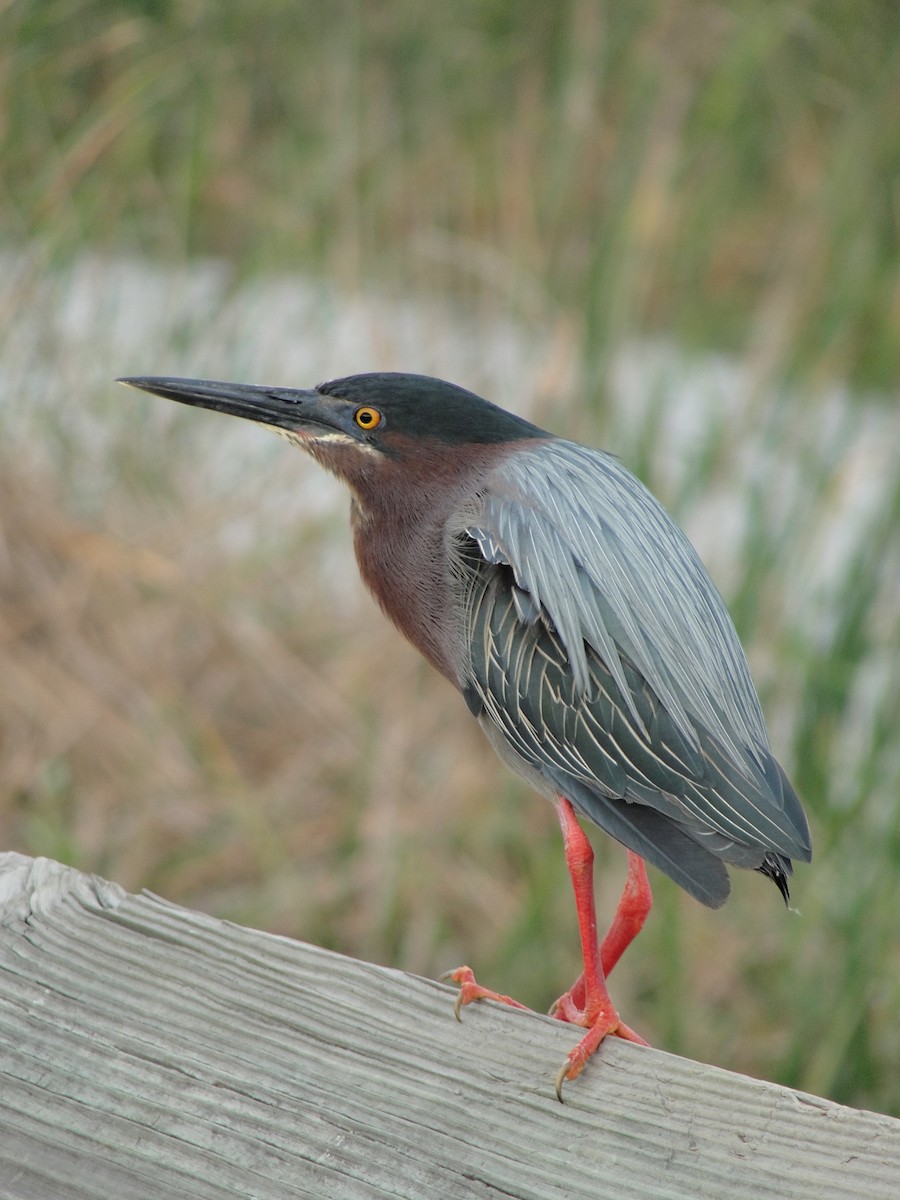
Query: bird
(548, 585)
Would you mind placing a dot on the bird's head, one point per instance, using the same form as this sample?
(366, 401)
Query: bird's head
(372, 430)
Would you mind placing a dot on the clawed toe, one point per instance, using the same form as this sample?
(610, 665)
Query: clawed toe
(577, 1058)
(470, 990)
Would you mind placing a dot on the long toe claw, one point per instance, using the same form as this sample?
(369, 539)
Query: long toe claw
(470, 990)
(561, 1077)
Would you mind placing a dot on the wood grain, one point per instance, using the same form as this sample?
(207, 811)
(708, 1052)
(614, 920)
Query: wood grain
(149, 1052)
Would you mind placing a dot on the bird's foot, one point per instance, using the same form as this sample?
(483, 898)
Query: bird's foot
(604, 1023)
(470, 990)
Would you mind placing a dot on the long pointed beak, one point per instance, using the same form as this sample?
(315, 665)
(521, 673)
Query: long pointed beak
(285, 408)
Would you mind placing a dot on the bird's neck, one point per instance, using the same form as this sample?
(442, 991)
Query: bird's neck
(402, 567)
(400, 533)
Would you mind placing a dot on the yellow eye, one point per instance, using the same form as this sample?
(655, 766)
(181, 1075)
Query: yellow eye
(367, 418)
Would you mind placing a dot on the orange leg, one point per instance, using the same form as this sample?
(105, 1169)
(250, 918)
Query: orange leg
(591, 1005)
(634, 905)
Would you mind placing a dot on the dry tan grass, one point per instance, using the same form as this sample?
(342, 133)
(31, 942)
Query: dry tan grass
(220, 733)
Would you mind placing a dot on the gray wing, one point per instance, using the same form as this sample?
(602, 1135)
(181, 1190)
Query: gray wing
(604, 664)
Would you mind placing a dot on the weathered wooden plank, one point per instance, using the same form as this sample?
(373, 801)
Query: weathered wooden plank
(149, 1052)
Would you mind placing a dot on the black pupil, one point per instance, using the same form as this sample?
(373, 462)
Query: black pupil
(366, 418)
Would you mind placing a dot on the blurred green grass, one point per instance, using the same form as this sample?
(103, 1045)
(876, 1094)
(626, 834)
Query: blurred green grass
(215, 724)
(725, 172)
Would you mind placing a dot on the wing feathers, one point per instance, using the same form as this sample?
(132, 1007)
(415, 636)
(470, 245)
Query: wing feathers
(601, 652)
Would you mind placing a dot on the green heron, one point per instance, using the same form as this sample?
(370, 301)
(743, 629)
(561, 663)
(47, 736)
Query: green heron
(555, 593)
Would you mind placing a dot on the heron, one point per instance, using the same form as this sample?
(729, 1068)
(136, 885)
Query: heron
(547, 584)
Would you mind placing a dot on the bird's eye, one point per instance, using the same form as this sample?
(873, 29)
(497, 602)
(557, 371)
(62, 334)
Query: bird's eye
(367, 418)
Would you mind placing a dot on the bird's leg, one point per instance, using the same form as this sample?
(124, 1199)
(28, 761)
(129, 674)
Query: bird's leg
(597, 1012)
(631, 913)
(634, 905)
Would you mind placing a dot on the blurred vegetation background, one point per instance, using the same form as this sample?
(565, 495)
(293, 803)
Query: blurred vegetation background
(669, 227)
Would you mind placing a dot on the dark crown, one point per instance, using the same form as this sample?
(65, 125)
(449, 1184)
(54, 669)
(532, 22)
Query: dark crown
(421, 406)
